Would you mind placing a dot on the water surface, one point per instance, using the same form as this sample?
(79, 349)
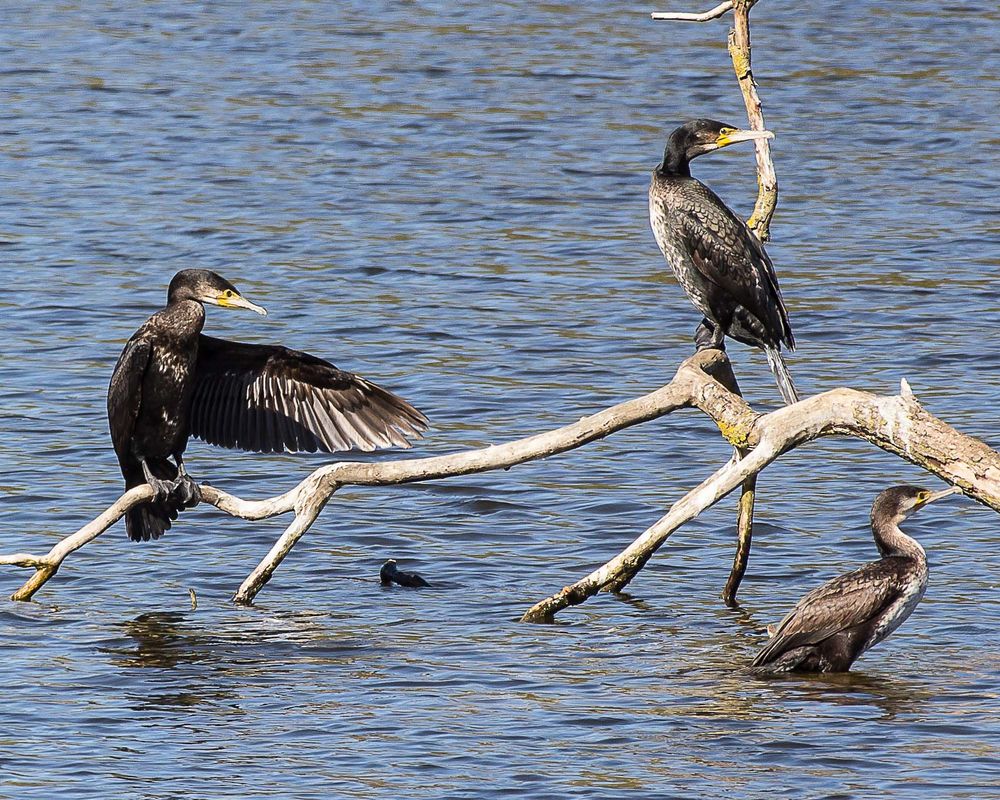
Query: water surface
(451, 201)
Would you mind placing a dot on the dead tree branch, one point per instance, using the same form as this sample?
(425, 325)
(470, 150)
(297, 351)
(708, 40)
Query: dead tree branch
(897, 424)
(739, 52)
(759, 222)
(309, 497)
(713, 13)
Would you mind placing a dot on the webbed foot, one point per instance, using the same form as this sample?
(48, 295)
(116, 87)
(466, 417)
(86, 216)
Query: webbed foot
(708, 336)
(187, 491)
(161, 489)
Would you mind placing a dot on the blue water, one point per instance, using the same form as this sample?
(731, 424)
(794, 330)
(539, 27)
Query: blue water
(450, 200)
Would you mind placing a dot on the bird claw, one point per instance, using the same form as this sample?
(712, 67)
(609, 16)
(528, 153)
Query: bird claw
(707, 337)
(187, 491)
(161, 489)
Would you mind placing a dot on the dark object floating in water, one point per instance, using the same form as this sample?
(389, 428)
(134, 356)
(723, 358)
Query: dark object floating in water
(716, 258)
(834, 624)
(389, 574)
(171, 382)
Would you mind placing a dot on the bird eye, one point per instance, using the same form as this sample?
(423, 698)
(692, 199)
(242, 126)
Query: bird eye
(922, 496)
(230, 293)
(726, 131)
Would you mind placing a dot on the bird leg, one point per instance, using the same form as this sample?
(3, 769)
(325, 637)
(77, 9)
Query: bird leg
(709, 336)
(185, 486)
(161, 488)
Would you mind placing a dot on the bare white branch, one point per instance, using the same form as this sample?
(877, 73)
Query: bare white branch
(309, 497)
(714, 13)
(896, 424)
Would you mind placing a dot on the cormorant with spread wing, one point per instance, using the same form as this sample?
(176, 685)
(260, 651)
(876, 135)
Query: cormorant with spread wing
(172, 382)
(718, 261)
(834, 624)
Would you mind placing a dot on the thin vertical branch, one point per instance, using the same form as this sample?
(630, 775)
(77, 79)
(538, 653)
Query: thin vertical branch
(767, 181)
(724, 374)
(744, 538)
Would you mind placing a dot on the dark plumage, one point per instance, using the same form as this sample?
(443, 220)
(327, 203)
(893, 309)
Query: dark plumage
(718, 261)
(390, 574)
(834, 624)
(171, 382)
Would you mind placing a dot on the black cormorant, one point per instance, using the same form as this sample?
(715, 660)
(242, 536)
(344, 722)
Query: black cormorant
(390, 574)
(718, 261)
(834, 624)
(171, 382)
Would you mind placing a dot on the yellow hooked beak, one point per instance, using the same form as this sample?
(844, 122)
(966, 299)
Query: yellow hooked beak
(231, 299)
(930, 497)
(730, 136)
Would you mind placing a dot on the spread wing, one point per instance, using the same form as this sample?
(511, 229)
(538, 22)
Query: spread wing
(840, 604)
(125, 395)
(270, 399)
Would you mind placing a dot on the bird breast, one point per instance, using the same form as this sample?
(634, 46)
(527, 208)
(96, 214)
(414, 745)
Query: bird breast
(676, 255)
(900, 609)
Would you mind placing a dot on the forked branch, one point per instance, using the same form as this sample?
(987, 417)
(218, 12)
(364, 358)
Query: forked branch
(739, 52)
(897, 424)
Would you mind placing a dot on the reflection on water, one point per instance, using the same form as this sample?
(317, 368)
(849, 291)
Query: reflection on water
(451, 200)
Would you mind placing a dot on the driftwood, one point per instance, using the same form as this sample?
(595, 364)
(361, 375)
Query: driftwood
(897, 424)
(705, 381)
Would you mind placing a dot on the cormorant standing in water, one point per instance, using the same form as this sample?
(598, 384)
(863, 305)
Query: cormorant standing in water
(717, 259)
(172, 381)
(834, 624)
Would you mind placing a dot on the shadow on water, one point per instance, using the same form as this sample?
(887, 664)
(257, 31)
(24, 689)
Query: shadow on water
(188, 659)
(893, 697)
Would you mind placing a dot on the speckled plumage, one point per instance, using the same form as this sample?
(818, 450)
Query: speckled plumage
(831, 626)
(718, 261)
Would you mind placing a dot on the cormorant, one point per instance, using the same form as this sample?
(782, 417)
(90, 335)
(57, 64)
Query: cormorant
(171, 382)
(390, 574)
(834, 624)
(718, 261)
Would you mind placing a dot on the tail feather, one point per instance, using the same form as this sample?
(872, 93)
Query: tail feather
(149, 521)
(781, 375)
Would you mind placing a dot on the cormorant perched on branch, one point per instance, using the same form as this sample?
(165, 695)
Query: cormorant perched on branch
(717, 259)
(171, 382)
(834, 624)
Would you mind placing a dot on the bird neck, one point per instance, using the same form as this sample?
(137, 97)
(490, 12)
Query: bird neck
(188, 315)
(675, 164)
(891, 541)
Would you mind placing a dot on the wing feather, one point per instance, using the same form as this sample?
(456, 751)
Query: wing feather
(838, 605)
(269, 398)
(725, 253)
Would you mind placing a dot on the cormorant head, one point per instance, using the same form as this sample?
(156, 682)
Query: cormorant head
(896, 504)
(206, 286)
(700, 136)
